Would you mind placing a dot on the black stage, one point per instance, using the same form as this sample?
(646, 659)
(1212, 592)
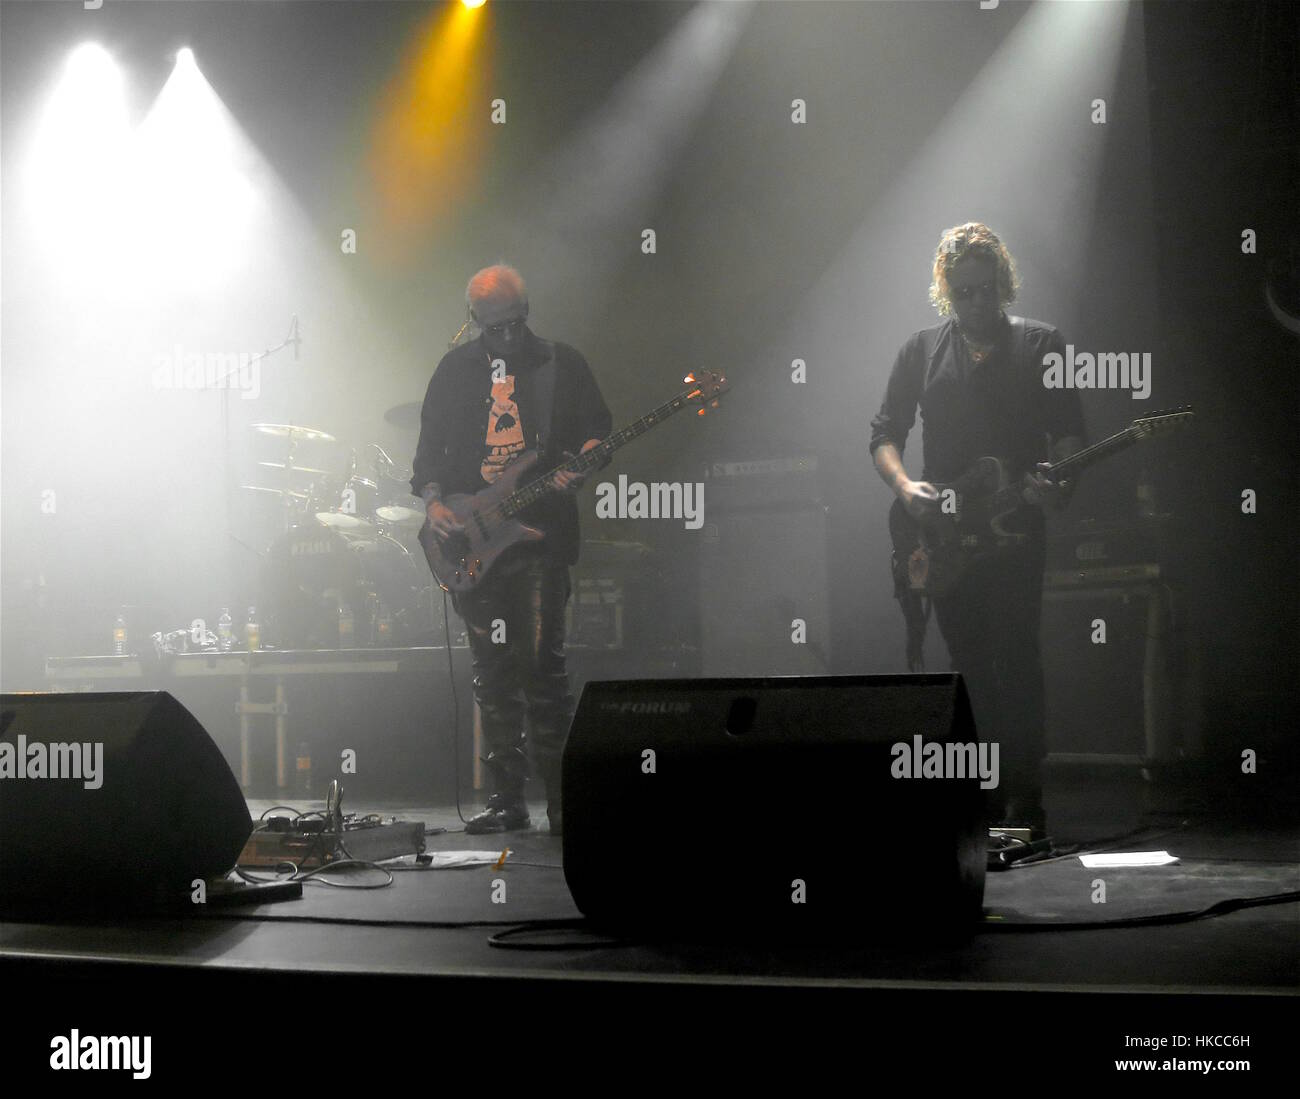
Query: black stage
(412, 964)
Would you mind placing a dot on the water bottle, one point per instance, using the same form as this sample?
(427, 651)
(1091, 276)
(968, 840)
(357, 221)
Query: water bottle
(225, 631)
(302, 772)
(346, 625)
(252, 631)
(371, 623)
(384, 626)
(119, 634)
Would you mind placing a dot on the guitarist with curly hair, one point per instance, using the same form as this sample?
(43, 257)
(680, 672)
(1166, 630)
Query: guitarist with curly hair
(977, 379)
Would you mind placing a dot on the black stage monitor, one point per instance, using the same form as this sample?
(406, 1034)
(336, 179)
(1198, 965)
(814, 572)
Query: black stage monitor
(111, 800)
(782, 808)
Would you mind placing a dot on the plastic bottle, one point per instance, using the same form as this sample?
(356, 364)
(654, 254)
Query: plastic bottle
(252, 631)
(346, 625)
(225, 631)
(383, 626)
(119, 634)
(371, 623)
(302, 770)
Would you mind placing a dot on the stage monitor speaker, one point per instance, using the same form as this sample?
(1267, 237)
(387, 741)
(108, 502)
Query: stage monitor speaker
(111, 800)
(770, 808)
(760, 570)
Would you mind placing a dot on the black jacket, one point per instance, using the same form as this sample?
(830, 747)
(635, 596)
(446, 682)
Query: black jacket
(454, 422)
(999, 407)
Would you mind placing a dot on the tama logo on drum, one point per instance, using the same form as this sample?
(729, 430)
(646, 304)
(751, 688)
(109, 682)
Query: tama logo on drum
(646, 707)
(310, 549)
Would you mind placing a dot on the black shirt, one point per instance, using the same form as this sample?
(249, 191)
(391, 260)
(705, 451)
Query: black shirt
(999, 407)
(470, 427)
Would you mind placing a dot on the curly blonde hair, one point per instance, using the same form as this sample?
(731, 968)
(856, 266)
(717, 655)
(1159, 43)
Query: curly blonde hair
(972, 239)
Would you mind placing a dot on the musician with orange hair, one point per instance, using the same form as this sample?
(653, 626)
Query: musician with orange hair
(489, 401)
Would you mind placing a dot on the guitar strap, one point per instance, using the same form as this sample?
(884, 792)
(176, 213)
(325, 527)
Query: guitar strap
(544, 395)
(1019, 343)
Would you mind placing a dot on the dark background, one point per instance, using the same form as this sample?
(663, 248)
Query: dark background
(775, 241)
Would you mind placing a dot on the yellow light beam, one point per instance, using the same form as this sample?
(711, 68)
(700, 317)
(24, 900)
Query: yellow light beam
(429, 136)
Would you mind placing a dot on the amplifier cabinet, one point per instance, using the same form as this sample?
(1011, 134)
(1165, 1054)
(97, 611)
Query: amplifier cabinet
(761, 571)
(1111, 700)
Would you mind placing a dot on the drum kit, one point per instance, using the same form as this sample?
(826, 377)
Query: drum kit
(343, 568)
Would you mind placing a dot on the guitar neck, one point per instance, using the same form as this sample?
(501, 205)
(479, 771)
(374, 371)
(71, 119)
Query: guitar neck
(1089, 455)
(530, 493)
(1076, 463)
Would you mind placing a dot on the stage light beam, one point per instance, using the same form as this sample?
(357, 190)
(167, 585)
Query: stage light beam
(194, 201)
(429, 138)
(75, 169)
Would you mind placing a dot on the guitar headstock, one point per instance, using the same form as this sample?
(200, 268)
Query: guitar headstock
(1167, 419)
(707, 387)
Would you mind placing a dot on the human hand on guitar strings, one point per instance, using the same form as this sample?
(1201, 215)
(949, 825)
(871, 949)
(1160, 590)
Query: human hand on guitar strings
(443, 520)
(1038, 489)
(566, 481)
(920, 498)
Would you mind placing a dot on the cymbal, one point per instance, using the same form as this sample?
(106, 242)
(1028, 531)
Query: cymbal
(299, 432)
(275, 491)
(293, 468)
(404, 415)
(400, 516)
(344, 521)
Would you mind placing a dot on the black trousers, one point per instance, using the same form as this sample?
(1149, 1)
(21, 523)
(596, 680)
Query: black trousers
(991, 623)
(515, 623)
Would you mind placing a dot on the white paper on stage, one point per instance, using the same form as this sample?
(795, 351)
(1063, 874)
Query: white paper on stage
(1128, 858)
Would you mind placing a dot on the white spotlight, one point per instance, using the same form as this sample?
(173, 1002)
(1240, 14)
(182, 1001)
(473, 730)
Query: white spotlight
(193, 198)
(76, 159)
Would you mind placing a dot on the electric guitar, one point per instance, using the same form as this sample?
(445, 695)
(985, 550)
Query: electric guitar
(931, 555)
(491, 516)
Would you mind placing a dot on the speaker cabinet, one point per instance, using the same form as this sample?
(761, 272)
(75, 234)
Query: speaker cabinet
(760, 570)
(1106, 700)
(111, 800)
(770, 808)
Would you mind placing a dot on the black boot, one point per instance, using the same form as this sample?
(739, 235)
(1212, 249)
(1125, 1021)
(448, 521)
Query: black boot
(506, 809)
(549, 768)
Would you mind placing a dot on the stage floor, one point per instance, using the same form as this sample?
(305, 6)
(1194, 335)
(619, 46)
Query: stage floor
(432, 927)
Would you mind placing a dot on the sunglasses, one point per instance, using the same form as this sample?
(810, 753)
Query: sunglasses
(505, 326)
(965, 293)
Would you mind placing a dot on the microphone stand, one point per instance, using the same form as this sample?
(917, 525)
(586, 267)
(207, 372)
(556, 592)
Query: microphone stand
(291, 338)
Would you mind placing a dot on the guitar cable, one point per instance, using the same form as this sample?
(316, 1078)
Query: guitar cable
(455, 704)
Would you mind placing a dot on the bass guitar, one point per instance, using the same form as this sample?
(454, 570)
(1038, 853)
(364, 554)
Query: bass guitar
(492, 516)
(976, 511)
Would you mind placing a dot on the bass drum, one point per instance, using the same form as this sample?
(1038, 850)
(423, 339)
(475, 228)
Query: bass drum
(313, 572)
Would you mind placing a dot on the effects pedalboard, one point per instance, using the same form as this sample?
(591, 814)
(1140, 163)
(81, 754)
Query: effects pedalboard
(1008, 846)
(318, 839)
